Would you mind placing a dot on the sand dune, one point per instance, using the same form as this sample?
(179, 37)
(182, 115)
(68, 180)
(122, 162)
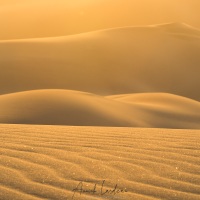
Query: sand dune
(85, 111)
(48, 162)
(106, 62)
(54, 18)
(181, 28)
(65, 107)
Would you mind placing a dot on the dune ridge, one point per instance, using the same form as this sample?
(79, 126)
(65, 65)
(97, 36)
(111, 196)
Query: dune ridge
(67, 107)
(106, 62)
(177, 27)
(47, 162)
(86, 15)
(173, 27)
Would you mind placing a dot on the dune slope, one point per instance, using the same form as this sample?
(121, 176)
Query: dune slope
(48, 162)
(106, 62)
(67, 107)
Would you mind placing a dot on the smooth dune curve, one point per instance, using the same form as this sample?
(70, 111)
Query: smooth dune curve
(48, 162)
(106, 62)
(67, 107)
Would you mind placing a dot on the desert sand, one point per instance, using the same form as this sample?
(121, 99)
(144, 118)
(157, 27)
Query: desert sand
(117, 107)
(48, 162)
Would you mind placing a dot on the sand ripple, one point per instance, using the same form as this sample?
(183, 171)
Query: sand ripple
(48, 162)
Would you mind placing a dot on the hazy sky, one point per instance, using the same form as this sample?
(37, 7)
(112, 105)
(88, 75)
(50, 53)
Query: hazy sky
(41, 18)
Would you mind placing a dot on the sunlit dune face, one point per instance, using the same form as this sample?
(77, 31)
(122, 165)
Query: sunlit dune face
(27, 19)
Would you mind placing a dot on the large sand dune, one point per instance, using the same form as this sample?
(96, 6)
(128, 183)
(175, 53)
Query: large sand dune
(48, 162)
(162, 58)
(65, 107)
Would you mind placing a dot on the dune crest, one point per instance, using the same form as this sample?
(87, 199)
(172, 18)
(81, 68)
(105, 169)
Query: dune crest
(178, 27)
(155, 98)
(173, 27)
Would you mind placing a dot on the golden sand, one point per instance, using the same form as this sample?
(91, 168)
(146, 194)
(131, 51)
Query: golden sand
(48, 162)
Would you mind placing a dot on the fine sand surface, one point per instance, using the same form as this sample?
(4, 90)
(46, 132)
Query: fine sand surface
(66, 107)
(161, 58)
(48, 162)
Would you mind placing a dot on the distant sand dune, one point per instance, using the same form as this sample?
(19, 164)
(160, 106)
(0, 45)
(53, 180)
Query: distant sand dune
(161, 58)
(66, 107)
(179, 28)
(48, 162)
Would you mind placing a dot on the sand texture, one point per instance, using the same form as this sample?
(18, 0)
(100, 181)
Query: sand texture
(48, 162)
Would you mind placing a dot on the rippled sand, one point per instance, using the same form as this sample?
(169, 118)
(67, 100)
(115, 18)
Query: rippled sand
(48, 162)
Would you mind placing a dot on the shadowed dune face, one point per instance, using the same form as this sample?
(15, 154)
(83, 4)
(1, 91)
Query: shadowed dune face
(62, 107)
(106, 62)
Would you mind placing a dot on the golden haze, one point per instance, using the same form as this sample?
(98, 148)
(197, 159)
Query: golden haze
(136, 75)
(42, 18)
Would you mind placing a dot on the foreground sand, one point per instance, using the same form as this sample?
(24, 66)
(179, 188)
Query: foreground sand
(48, 162)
